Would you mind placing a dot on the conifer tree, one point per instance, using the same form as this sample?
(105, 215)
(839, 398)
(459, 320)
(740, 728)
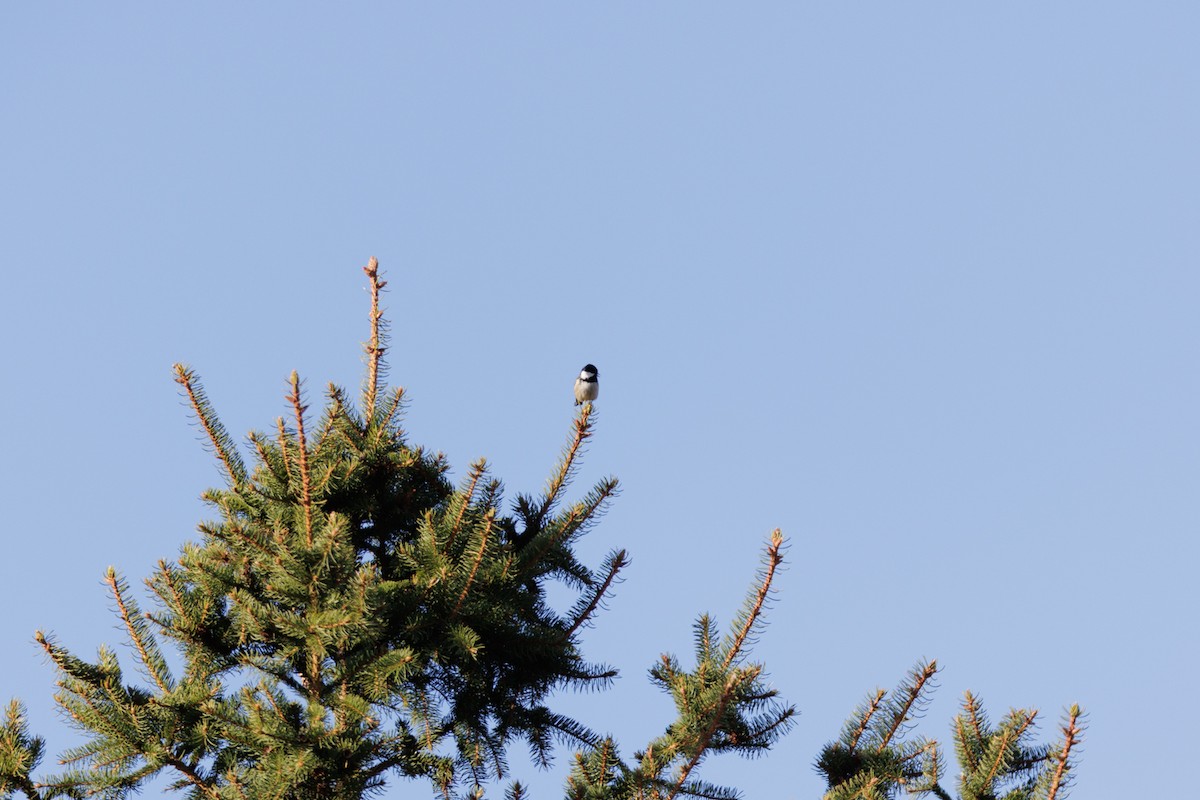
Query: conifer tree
(874, 759)
(350, 618)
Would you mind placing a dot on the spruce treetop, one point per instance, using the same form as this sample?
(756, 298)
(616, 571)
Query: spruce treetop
(350, 620)
(349, 617)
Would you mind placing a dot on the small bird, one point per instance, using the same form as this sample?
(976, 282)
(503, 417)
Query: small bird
(587, 385)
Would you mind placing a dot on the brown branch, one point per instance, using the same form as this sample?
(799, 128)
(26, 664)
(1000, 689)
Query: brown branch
(872, 707)
(619, 564)
(283, 450)
(581, 435)
(706, 739)
(169, 580)
(916, 754)
(191, 774)
(260, 447)
(110, 578)
(330, 419)
(914, 694)
(968, 756)
(581, 513)
(936, 767)
(774, 558)
(1072, 731)
(305, 480)
(971, 710)
(374, 348)
(476, 473)
(214, 430)
(389, 416)
(972, 704)
(1030, 716)
(31, 789)
(483, 543)
(231, 775)
(991, 775)
(1005, 738)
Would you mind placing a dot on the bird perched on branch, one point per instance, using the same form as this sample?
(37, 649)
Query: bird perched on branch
(587, 385)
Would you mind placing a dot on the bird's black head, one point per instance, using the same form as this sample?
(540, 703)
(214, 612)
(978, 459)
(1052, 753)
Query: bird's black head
(591, 369)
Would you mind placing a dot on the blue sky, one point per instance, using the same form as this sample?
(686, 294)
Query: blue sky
(916, 283)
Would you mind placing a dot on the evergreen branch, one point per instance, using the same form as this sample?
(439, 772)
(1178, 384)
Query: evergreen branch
(171, 597)
(1001, 747)
(936, 790)
(975, 713)
(1072, 734)
(866, 786)
(193, 777)
(387, 420)
(704, 631)
(20, 753)
(376, 346)
(708, 791)
(477, 471)
(224, 446)
(232, 777)
(69, 665)
(761, 733)
(329, 420)
(774, 558)
(285, 455)
(1026, 719)
(965, 752)
(583, 431)
(264, 456)
(575, 520)
(305, 478)
(568, 730)
(617, 562)
(705, 739)
(920, 677)
(865, 719)
(148, 652)
(483, 543)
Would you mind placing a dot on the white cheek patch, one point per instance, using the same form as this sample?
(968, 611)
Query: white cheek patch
(587, 376)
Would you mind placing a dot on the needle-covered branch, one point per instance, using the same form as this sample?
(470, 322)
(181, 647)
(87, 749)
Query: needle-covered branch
(1058, 778)
(874, 759)
(376, 345)
(222, 443)
(20, 755)
(723, 705)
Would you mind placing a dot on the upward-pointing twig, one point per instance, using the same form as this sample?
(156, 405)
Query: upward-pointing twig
(1072, 731)
(151, 660)
(483, 543)
(774, 558)
(741, 675)
(920, 678)
(872, 707)
(305, 483)
(374, 348)
(583, 431)
(217, 435)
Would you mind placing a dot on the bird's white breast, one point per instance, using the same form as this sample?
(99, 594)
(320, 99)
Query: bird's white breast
(586, 391)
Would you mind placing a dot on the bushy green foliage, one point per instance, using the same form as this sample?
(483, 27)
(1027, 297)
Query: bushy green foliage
(875, 759)
(349, 617)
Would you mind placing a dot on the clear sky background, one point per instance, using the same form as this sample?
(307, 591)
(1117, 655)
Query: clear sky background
(916, 282)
